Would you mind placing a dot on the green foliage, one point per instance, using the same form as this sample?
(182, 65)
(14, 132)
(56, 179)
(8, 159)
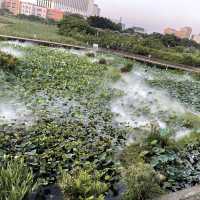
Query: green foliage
(82, 185)
(113, 74)
(127, 68)
(21, 28)
(104, 23)
(16, 180)
(179, 89)
(8, 62)
(70, 125)
(141, 182)
(5, 12)
(192, 138)
(72, 24)
(191, 120)
(36, 19)
(90, 54)
(102, 61)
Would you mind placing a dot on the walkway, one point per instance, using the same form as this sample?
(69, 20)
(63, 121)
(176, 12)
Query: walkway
(138, 58)
(192, 193)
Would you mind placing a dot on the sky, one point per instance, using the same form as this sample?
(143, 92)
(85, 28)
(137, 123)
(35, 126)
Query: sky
(154, 15)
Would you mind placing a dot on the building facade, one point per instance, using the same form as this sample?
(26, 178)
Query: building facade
(27, 8)
(184, 32)
(82, 7)
(13, 6)
(55, 14)
(53, 9)
(169, 31)
(196, 38)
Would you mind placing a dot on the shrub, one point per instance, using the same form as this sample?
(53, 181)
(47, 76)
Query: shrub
(191, 120)
(141, 183)
(77, 24)
(82, 186)
(16, 180)
(104, 23)
(7, 62)
(114, 74)
(102, 61)
(127, 68)
(90, 54)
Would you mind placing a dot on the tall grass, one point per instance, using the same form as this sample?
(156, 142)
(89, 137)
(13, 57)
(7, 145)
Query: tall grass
(16, 180)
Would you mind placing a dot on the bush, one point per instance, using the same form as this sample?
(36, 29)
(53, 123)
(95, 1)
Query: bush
(16, 180)
(90, 54)
(104, 23)
(7, 62)
(102, 61)
(77, 24)
(127, 68)
(190, 120)
(114, 74)
(141, 183)
(82, 186)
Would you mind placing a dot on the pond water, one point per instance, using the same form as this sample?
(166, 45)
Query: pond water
(141, 105)
(81, 114)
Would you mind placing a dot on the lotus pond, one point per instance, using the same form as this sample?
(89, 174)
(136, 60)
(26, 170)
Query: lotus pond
(64, 112)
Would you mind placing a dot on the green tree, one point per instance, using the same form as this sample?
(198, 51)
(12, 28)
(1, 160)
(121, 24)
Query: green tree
(104, 23)
(75, 24)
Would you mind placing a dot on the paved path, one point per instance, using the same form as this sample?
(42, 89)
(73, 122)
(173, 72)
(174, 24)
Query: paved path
(192, 193)
(139, 58)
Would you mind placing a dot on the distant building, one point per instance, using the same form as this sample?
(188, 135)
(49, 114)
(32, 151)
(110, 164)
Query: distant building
(82, 7)
(27, 8)
(53, 9)
(96, 10)
(55, 14)
(169, 31)
(13, 6)
(196, 38)
(1, 4)
(119, 21)
(138, 29)
(184, 32)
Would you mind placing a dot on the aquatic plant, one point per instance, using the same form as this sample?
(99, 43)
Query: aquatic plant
(8, 62)
(82, 185)
(141, 182)
(16, 180)
(102, 61)
(90, 54)
(127, 68)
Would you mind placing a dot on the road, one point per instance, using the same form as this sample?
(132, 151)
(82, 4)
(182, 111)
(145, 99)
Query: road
(138, 58)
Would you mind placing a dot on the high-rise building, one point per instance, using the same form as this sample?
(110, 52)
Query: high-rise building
(82, 7)
(96, 10)
(196, 38)
(184, 32)
(13, 6)
(169, 31)
(27, 8)
(55, 14)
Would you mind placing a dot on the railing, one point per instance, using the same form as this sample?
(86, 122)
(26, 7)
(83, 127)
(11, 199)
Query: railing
(136, 57)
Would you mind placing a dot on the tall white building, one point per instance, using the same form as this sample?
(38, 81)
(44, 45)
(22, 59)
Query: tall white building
(82, 7)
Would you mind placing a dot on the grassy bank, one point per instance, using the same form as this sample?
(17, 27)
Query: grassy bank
(29, 29)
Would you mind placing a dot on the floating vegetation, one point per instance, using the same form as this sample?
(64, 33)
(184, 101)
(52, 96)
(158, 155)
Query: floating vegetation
(80, 114)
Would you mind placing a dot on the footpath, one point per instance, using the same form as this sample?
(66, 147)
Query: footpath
(187, 194)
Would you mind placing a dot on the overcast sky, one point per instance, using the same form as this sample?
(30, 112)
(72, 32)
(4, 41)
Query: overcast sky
(154, 15)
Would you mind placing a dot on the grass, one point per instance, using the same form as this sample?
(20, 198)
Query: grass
(141, 183)
(35, 30)
(82, 185)
(16, 180)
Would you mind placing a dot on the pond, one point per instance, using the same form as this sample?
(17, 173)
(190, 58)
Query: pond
(64, 110)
